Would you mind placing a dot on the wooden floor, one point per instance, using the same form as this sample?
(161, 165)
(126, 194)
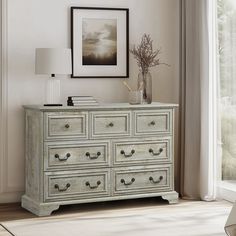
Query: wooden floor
(14, 211)
(142, 210)
(11, 212)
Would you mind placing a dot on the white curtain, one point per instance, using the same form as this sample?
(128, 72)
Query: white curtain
(198, 126)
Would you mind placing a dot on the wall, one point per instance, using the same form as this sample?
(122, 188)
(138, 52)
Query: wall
(45, 23)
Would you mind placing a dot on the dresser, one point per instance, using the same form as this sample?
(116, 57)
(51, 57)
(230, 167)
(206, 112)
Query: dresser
(108, 152)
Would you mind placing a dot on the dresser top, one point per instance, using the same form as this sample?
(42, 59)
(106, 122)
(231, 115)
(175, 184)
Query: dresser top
(102, 106)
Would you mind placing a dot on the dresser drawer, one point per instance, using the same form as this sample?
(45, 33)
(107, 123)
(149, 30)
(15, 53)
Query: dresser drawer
(132, 180)
(78, 185)
(75, 155)
(66, 125)
(144, 151)
(153, 122)
(110, 124)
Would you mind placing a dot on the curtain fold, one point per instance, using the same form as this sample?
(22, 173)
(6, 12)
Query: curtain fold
(198, 109)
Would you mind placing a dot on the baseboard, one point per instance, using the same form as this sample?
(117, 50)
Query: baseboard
(10, 197)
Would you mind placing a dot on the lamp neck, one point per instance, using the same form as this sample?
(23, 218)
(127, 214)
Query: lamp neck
(52, 75)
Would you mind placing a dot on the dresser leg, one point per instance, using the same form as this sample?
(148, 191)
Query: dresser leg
(172, 197)
(39, 209)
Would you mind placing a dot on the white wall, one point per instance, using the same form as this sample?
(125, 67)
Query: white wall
(45, 23)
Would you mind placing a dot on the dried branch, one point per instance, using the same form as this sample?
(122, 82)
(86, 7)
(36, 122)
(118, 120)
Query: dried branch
(144, 54)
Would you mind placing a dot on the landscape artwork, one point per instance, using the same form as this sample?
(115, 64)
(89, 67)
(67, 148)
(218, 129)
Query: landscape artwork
(99, 42)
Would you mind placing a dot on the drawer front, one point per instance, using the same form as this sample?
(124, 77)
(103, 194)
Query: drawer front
(76, 185)
(153, 122)
(110, 124)
(151, 179)
(145, 151)
(66, 125)
(74, 155)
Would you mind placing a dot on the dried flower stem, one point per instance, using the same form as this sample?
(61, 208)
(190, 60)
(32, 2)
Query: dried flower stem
(145, 56)
(127, 86)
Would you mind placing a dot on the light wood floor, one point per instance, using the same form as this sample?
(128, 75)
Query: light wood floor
(11, 212)
(14, 211)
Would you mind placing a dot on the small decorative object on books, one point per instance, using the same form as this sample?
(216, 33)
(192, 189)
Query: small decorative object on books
(81, 101)
(146, 58)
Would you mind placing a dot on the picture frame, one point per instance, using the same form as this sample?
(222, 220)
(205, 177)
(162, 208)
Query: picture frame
(100, 42)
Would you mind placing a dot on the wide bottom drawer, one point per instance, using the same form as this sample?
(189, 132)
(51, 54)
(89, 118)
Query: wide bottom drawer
(76, 185)
(142, 179)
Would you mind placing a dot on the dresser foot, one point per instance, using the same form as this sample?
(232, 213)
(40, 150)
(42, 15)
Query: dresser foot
(172, 197)
(39, 209)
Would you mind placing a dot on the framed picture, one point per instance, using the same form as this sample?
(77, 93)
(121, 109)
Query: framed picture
(99, 41)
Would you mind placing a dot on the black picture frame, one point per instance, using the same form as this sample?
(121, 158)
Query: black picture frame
(103, 65)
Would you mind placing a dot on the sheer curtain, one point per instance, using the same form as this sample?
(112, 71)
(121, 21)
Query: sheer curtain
(198, 126)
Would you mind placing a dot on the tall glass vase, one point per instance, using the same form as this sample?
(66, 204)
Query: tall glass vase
(145, 85)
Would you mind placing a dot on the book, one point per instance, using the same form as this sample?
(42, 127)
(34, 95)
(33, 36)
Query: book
(83, 104)
(81, 98)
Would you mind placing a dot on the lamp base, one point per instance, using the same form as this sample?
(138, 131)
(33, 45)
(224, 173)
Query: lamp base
(53, 105)
(53, 92)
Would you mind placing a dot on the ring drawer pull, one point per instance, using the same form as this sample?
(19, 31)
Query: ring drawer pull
(92, 157)
(122, 152)
(152, 123)
(67, 126)
(157, 181)
(110, 124)
(93, 187)
(129, 183)
(62, 189)
(156, 153)
(64, 158)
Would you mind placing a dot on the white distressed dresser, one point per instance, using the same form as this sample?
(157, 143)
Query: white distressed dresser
(100, 153)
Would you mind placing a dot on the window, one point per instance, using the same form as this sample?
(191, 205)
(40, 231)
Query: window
(226, 22)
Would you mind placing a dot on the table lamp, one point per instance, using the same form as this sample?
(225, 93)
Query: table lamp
(52, 61)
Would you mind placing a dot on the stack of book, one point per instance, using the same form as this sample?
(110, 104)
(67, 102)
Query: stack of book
(81, 101)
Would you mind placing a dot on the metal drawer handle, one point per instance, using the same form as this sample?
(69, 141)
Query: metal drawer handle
(62, 189)
(157, 181)
(64, 158)
(67, 126)
(110, 124)
(129, 183)
(156, 153)
(152, 123)
(122, 152)
(93, 187)
(92, 157)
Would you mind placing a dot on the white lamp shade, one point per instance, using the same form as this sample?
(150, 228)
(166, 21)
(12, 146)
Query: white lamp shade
(53, 61)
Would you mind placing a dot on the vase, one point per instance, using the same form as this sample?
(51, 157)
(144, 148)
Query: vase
(145, 85)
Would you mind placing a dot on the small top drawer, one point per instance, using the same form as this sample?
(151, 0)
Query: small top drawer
(66, 125)
(153, 122)
(110, 124)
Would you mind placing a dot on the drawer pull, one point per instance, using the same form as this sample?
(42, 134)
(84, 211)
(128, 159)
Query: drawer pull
(62, 189)
(67, 126)
(92, 157)
(122, 152)
(110, 124)
(93, 187)
(152, 123)
(64, 158)
(129, 183)
(156, 153)
(156, 181)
